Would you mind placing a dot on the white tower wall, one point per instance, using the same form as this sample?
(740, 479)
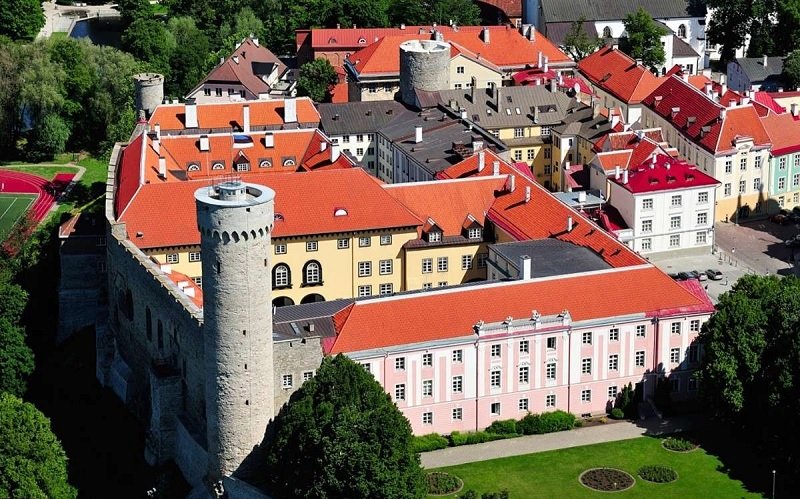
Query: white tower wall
(235, 220)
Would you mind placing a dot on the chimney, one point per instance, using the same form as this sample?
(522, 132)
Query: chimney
(402, 26)
(724, 89)
(566, 165)
(527, 193)
(190, 116)
(685, 76)
(765, 61)
(485, 34)
(156, 143)
(745, 101)
(246, 118)
(653, 160)
(335, 152)
(255, 42)
(417, 134)
(481, 161)
(546, 64)
(157, 129)
(707, 88)
(511, 183)
(581, 196)
(474, 84)
(625, 176)
(290, 111)
(535, 113)
(269, 140)
(540, 60)
(795, 109)
(323, 146)
(162, 167)
(722, 114)
(204, 144)
(497, 98)
(666, 165)
(221, 60)
(616, 172)
(525, 267)
(569, 224)
(614, 120)
(462, 113)
(495, 168)
(532, 33)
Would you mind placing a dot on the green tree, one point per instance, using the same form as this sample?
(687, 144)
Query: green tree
(190, 57)
(316, 80)
(16, 359)
(48, 138)
(21, 19)
(787, 31)
(749, 374)
(578, 43)
(791, 69)
(643, 39)
(133, 10)
(341, 435)
(32, 461)
(149, 41)
(462, 12)
(411, 12)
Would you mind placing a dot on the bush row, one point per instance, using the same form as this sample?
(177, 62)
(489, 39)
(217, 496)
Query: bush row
(531, 424)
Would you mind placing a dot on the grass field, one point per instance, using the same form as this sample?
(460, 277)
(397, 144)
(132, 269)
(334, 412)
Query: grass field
(555, 474)
(12, 207)
(47, 172)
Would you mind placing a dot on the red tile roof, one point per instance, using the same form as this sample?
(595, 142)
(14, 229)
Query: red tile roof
(544, 216)
(449, 203)
(507, 48)
(666, 174)
(165, 213)
(766, 100)
(452, 313)
(248, 54)
(618, 74)
(784, 133)
(128, 175)
(698, 117)
(263, 113)
(185, 283)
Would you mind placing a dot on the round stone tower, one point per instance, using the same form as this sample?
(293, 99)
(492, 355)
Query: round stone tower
(424, 64)
(149, 91)
(235, 220)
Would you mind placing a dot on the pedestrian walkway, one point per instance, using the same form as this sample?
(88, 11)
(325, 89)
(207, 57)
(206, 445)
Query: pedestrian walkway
(610, 432)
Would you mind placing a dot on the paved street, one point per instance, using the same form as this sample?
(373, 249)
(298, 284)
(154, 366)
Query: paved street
(610, 432)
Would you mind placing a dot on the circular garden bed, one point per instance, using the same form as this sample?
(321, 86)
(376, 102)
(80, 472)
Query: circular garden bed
(442, 484)
(657, 473)
(678, 444)
(606, 479)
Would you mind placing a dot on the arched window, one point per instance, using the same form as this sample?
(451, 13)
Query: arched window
(606, 32)
(193, 167)
(682, 31)
(289, 162)
(281, 276)
(312, 273)
(265, 163)
(218, 166)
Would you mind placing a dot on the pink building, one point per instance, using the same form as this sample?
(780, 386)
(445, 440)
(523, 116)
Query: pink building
(460, 358)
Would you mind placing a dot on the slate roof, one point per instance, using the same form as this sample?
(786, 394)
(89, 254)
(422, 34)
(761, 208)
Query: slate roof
(294, 322)
(551, 257)
(755, 70)
(516, 107)
(600, 10)
(359, 117)
(682, 49)
(557, 31)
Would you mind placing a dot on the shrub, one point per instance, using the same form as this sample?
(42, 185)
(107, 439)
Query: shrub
(616, 413)
(657, 473)
(528, 424)
(546, 422)
(471, 494)
(432, 441)
(442, 483)
(475, 437)
(678, 444)
(503, 427)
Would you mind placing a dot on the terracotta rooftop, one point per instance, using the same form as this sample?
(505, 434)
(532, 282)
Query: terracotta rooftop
(305, 204)
(784, 133)
(618, 74)
(249, 64)
(452, 313)
(665, 174)
(229, 116)
(544, 216)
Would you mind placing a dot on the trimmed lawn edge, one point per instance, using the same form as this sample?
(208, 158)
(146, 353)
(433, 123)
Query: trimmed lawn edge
(662, 483)
(459, 489)
(678, 451)
(633, 480)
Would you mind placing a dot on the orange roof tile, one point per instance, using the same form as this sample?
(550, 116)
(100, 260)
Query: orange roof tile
(449, 202)
(452, 313)
(784, 133)
(507, 48)
(263, 113)
(615, 72)
(544, 216)
(165, 214)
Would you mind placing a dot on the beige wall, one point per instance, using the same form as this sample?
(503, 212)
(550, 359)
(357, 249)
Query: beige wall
(484, 75)
(416, 279)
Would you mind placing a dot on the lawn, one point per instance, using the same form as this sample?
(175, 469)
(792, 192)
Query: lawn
(12, 207)
(41, 170)
(555, 473)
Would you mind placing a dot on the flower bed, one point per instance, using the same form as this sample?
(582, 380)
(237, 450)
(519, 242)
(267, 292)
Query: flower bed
(676, 444)
(606, 479)
(442, 484)
(657, 473)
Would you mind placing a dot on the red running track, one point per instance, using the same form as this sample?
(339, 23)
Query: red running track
(47, 192)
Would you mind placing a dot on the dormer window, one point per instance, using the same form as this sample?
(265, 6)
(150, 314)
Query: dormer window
(218, 165)
(243, 166)
(362, 41)
(475, 233)
(194, 167)
(265, 163)
(435, 236)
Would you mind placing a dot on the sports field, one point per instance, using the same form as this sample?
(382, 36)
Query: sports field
(12, 208)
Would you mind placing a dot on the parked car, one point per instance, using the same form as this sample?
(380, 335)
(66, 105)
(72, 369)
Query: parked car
(683, 276)
(714, 274)
(780, 219)
(674, 275)
(693, 275)
(701, 276)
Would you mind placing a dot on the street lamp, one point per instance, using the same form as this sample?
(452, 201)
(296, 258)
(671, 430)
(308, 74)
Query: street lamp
(773, 484)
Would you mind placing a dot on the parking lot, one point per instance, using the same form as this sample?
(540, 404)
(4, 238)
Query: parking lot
(753, 247)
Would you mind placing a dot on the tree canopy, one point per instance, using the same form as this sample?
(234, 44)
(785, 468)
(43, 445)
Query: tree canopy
(341, 435)
(316, 80)
(791, 69)
(751, 364)
(32, 461)
(578, 43)
(21, 19)
(643, 40)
